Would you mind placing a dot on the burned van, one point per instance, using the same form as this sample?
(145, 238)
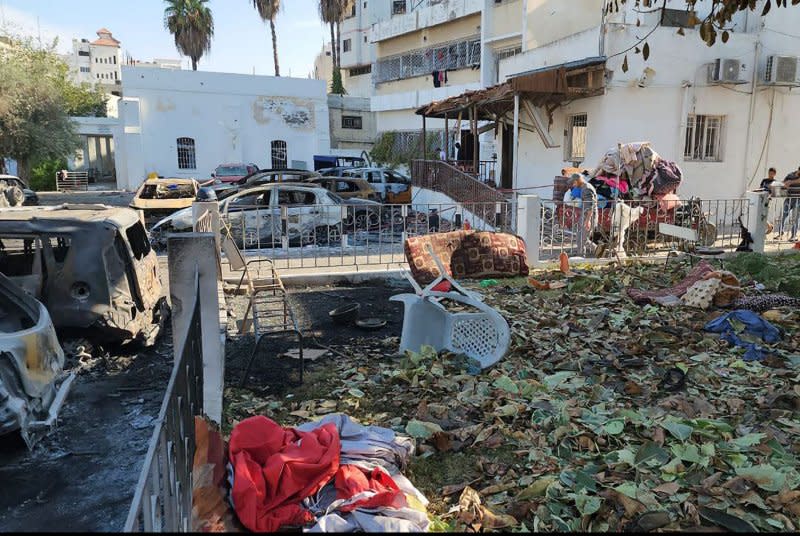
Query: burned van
(90, 265)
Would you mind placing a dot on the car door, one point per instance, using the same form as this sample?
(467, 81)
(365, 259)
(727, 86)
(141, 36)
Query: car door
(375, 179)
(303, 214)
(398, 187)
(251, 218)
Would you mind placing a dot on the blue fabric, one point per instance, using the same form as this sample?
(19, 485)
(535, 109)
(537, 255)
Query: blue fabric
(575, 192)
(753, 325)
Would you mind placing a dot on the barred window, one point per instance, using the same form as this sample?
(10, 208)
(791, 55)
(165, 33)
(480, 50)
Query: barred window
(398, 7)
(186, 154)
(347, 45)
(575, 143)
(364, 69)
(279, 154)
(351, 121)
(704, 138)
(447, 56)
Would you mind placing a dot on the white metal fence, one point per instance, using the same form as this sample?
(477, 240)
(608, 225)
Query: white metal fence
(783, 222)
(640, 228)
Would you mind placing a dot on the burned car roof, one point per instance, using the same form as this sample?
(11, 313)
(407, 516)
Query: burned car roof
(66, 216)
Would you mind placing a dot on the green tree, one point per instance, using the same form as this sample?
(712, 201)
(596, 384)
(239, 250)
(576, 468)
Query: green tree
(192, 25)
(36, 100)
(268, 10)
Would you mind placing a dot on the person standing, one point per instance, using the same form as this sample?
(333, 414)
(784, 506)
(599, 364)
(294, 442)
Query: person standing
(458, 152)
(442, 154)
(791, 204)
(766, 184)
(589, 214)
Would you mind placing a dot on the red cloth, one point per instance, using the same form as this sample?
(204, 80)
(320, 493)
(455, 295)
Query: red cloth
(275, 468)
(352, 480)
(443, 286)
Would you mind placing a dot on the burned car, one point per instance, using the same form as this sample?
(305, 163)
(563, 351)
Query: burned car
(91, 266)
(31, 365)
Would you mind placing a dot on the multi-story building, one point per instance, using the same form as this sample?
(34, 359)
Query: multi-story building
(98, 61)
(723, 113)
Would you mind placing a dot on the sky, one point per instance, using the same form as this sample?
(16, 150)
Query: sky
(242, 42)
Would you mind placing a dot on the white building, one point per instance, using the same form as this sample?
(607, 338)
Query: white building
(181, 123)
(724, 126)
(99, 61)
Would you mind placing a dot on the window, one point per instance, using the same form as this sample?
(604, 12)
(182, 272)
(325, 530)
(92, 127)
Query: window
(297, 198)
(357, 71)
(137, 237)
(703, 138)
(353, 10)
(85, 69)
(421, 62)
(279, 153)
(346, 186)
(351, 121)
(186, 155)
(575, 143)
(398, 7)
(83, 53)
(365, 38)
(374, 177)
(678, 18)
(258, 199)
(115, 59)
(347, 45)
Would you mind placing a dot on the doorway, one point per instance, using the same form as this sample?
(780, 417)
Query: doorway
(507, 168)
(468, 148)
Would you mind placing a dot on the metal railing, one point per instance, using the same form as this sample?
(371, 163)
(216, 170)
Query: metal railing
(449, 56)
(487, 170)
(659, 228)
(348, 236)
(72, 181)
(163, 498)
(783, 222)
(443, 177)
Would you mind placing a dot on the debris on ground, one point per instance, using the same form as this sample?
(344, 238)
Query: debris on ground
(605, 414)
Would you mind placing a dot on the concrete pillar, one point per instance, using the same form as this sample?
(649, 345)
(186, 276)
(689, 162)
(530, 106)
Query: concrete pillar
(193, 257)
(201, 207)
(529, 225)
(757, 218)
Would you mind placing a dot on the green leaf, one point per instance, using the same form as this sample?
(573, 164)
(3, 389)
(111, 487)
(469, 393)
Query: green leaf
(537, 489)
(687, 453)
(358, 393)
(650, 451)
(764, 476)
(748, 440)
(421, 429)
(587, 505)
(614, 427)
(678, 430)
(554, 380)
(627, 488)
(506, 384)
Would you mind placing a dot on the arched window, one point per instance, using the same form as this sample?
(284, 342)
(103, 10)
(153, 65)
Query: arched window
(279, 154)
(186, 158)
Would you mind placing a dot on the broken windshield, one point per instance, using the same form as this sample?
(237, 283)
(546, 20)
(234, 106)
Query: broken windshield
(231, 171)
(167, 191)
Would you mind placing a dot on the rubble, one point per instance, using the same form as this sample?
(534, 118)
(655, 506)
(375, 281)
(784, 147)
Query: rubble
(604, 415)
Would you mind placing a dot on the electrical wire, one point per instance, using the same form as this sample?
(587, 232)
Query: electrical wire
(766, 138)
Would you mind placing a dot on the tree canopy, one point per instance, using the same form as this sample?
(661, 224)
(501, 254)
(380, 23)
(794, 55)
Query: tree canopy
(268, 10)
(192, 25)
(37, 99)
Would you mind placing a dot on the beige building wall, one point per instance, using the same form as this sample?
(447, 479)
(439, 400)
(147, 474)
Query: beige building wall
(454, 78)
(428, 37)
(506, 19)
(551, 20)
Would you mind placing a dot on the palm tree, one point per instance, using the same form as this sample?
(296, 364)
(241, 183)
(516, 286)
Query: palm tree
(330, 13)
(268, 10)
(192, 25)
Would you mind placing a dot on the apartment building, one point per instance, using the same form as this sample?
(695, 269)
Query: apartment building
(723, 113)
(98, 61)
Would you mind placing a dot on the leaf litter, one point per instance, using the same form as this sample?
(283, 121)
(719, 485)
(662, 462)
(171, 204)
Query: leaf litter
(573, 429)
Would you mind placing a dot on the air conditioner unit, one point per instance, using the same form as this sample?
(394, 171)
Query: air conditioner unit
(782, 70)
(723, 71)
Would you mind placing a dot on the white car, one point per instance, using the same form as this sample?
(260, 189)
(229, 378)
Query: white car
(254, 215)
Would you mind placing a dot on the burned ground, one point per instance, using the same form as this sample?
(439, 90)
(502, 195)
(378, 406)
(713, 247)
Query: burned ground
(577, 428)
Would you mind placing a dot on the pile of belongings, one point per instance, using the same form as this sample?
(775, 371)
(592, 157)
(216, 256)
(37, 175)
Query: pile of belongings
(636, 171)
(332, 475)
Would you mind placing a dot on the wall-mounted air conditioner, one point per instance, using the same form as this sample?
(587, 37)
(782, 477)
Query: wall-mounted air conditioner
(725, 71)
(783, 70)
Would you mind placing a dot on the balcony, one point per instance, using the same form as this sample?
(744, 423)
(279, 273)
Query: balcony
(429, 13)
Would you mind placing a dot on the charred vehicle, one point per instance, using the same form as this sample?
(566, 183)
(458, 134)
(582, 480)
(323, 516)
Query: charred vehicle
(91, 266)
(31, 364)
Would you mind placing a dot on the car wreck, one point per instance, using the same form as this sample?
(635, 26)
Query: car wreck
(158, 197)
(31, 365)
(91, 266)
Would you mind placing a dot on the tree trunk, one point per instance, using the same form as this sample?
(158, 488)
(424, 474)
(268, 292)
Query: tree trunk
(338, 45)
(275, 47)
(24, 169)
(194, 64)
(333, 45)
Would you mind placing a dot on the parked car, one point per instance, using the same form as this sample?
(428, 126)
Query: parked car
(165, 196)
(32, 365)
(265, 176)
(230, 173)
(91, 266)
(393, 187)
(31, 198)
(314, 216)
(347, 188)
(329, 161)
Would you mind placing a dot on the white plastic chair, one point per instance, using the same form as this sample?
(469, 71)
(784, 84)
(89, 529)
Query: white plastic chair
(483, 336)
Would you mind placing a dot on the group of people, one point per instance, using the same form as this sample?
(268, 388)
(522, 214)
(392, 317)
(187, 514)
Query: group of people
(791, 205)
